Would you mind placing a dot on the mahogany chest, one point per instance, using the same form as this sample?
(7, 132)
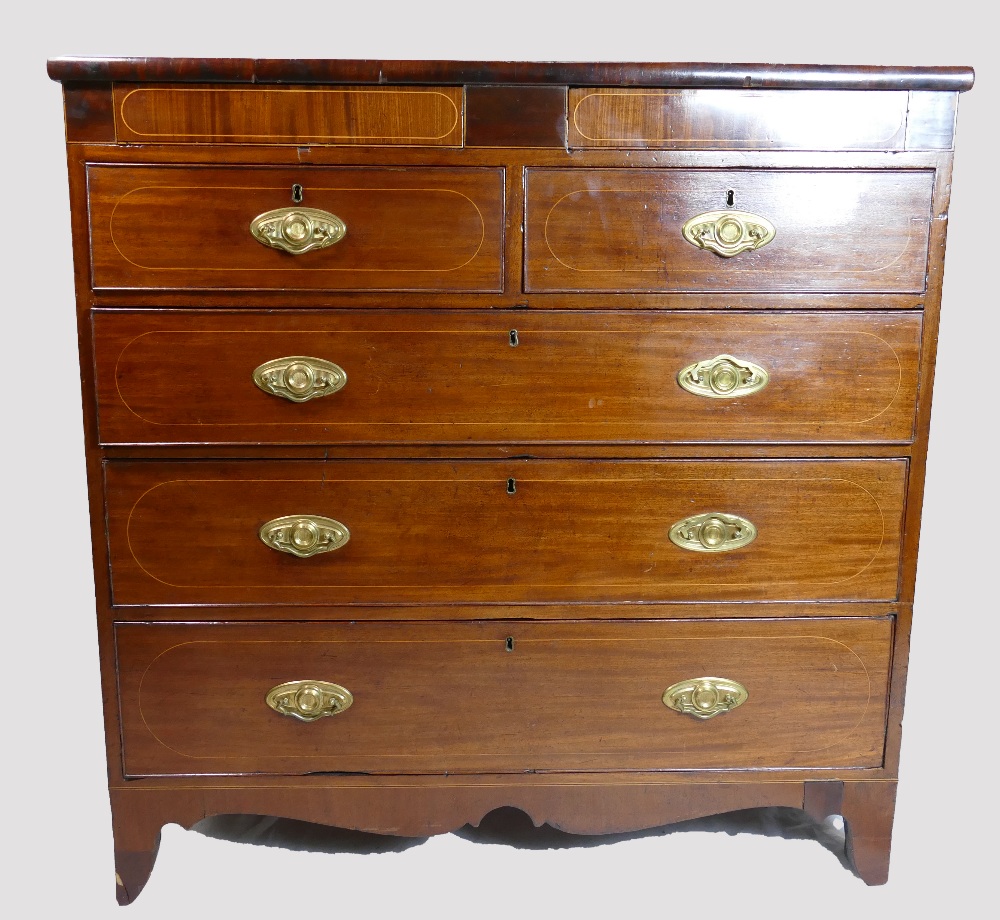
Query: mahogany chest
(466, 435)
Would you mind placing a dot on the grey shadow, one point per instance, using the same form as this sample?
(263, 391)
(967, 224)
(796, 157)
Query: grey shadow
(512, 827)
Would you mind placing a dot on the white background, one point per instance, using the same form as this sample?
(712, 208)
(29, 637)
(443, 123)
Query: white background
(58, 858)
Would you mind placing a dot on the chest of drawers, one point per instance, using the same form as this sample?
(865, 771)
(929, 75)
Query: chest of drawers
(475, 435)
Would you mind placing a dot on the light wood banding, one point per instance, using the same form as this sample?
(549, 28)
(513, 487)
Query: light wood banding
(454, 532)
(620, 230)
(354, 115)
(188, 228)
(560, 538)
(737, 119)
(432, 377)
(452, 698)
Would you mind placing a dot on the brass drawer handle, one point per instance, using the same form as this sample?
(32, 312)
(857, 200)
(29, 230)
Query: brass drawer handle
(723, 377)
(309, 700)
(728, 233)
(300, 378)
(298, 230)
(713, 532)
(304, 535)
(705, 697)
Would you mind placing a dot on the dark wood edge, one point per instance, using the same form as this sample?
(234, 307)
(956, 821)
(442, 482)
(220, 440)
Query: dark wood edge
(723, 76)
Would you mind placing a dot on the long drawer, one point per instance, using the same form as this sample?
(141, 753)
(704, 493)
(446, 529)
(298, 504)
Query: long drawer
(430, 377)
(337, 532)
(190, 228)
(503, 696)
(834, 231)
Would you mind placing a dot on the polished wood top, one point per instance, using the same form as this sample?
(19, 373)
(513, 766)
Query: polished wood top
(721, 76)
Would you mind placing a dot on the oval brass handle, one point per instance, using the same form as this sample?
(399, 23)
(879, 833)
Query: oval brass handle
(723, 377)
(300, 378)
(713, 532)
(705, 697)
(728, 233)
(298, 230)
(309, 700)
(304, 535)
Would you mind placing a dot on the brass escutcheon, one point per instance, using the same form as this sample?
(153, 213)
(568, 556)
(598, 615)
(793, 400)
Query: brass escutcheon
(728, 233)
(309, 700)
(713, 532)
(304, 535)
(298, 230)
(723, 377)
(300, 378)
(705, 697)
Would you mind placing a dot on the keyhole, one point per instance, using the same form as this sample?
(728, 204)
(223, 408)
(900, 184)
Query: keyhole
(729, 198)
(513, 338)
(511, 486)
(297, 193)
(509, 644)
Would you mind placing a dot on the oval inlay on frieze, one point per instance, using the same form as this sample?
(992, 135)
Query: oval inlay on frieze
(318, 115)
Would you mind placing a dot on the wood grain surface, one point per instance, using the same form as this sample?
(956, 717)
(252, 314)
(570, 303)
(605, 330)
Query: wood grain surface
(418, 806)
(649, 73)
(434, 531)
(761, 120)
(410, 116)
(515, 116)
(462, 537)
(411, 229)
(452, 698)
(428, 377)
(89, 114)
(620, 230)
(513, 162)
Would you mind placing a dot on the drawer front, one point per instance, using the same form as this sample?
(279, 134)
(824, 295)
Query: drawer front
(835, 231)
(314, 115)
(503, 696)
(189, 533)
(423, 377)
(737, 119)
(189, 228)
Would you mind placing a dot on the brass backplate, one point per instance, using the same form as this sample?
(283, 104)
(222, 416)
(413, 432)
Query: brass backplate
(298, 230)
(723, 377)
(728, 233)
(705, 697)
(713, 532)
(299, 378)
(304, 535)
(309, 700)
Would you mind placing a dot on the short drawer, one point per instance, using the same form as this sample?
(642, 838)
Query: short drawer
(834, 231)
(458, 377)
(421, 116)
(339, 532)
(192, 228)
(502, 696)
(706, 119)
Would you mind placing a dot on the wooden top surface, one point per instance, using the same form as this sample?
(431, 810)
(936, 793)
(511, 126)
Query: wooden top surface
(722, 76)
